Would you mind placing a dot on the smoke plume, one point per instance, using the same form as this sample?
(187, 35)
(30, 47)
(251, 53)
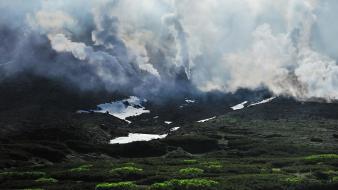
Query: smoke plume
(162, 46)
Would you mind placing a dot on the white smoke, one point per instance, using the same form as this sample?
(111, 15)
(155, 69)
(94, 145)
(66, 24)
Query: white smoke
(286, 46)
(107, 66)
(182, 55)
(286, 62)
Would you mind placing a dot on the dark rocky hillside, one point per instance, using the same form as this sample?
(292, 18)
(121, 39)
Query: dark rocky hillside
(44, 143)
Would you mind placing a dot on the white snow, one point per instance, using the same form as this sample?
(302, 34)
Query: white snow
(122, 111)
(156, 117)
(239, 106)
(204, 120)
(189, 101)
(242, 105)
(133, 137)
(168, 122)
(174, 129)
(263, 101)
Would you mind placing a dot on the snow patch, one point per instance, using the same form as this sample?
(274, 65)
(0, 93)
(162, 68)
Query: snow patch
(263, 101)
(190, 101)
(122, 109)
(134, 137)
(168, 122)
(174, 129)
(239, 106)
(204, 120)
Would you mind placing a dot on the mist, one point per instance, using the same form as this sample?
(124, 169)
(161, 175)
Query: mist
(155, 47)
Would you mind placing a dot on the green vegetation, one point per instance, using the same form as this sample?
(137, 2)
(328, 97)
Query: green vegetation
(257, 155)
(254, 181)
(335, 179)
(82, 168)
(294, 180)
(276, 170)
(129, 164)
(191, 172)
(321, 157)
(116, 186)
(186, 184)
(22, 175)
(213, 166)
(127, 170)
(46, 180)
(190, 161)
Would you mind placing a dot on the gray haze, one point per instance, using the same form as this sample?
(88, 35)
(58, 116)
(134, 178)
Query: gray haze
(158, 46)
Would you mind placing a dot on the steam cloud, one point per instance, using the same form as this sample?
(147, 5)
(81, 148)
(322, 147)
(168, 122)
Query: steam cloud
(286, 46)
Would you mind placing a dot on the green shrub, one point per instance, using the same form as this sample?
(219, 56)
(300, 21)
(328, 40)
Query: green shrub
(331, 172)
(46, 180)
(126, 171)
(22, 175)
(212, 163)
(132, 164)
(185, 184)
(321, 157)
(161, 186)
(214, 167)
(192, 172)
(276, 170)
(190, 161)
(255, 181)
(335, 179)
(116, 186)
(82, 168)
(294, 180)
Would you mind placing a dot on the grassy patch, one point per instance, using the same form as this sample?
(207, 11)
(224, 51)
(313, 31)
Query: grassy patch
(321, 157)
(131, 164)
(276, 170)
(116, 186)
(185, 184)
(335, 179)
(46, 180)
(190, 161)
(213, 167)
(83, 168)
(22, 175)
(254, 181)
(294, 180)
(127, 171)
(191, 172)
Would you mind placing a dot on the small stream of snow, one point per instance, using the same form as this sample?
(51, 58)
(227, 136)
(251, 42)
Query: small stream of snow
(239, 106)
(204, 120)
